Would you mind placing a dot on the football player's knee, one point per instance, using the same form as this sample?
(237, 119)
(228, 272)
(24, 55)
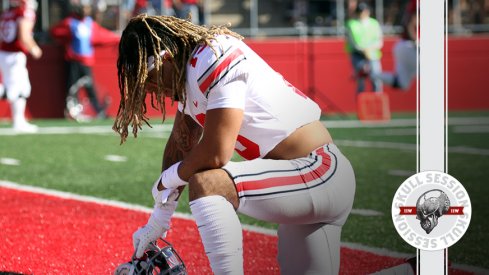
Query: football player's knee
(212, 182)
(202, 184)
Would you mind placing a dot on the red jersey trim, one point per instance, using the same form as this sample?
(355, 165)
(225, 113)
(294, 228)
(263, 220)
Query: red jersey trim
(315, 174)
(219, 69)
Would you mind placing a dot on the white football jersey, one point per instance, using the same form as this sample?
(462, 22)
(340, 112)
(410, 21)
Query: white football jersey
(234, 76)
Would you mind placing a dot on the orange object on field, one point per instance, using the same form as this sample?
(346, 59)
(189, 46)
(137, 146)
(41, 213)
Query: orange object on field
(373, 106)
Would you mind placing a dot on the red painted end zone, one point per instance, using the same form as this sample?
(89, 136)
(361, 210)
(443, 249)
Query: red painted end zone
(41, 234)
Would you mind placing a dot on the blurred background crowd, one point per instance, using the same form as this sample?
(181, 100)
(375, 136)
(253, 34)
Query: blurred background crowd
(331, 46)
(264, 18)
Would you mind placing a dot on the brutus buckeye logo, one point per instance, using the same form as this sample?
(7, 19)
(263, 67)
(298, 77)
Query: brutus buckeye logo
(430, 206)
(431, 210)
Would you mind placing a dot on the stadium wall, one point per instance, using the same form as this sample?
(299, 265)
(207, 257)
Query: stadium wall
(318, 67)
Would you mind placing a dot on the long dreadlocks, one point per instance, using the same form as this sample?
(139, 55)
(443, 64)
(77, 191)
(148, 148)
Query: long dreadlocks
(146, 36)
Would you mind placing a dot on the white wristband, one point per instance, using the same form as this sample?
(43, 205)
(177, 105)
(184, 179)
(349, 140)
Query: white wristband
(170, 177)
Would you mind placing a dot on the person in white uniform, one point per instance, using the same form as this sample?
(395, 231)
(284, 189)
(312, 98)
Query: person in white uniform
(16, 41)
(230, 99)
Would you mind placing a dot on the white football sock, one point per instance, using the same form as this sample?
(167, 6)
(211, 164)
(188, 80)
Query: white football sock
(221, 233)
(18, 110)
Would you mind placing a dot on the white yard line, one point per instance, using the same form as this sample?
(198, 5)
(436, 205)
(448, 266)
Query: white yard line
(59, 130)
(402, 122)
(471, 129)
(366, 212)
(115, 158)
(468, 150)
(407, 146)
(401, 173)
(461, 121)
(376, 144)
(393, 132)
(9, 161)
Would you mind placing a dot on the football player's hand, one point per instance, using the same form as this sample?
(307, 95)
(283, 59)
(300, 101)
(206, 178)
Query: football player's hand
(36, 52)
(165, 195)
(157, 226)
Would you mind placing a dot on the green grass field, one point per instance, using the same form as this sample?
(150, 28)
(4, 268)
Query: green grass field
(71, 157)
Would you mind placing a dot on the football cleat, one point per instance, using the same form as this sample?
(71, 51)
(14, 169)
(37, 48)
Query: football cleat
(157, 261)
(25, 127)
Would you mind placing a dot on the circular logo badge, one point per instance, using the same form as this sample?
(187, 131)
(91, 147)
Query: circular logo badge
(431, 210)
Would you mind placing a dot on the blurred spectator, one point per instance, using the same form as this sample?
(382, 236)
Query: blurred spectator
(202, 12)
(391, 13)
(130, 8)
(127, 8)
(186, 8)
(363, 43)
(404, 52)
(99, 8)
(299, 12)
(163, 7)
(351, 6)
(143, 6)
(79, 33)
(16, 41)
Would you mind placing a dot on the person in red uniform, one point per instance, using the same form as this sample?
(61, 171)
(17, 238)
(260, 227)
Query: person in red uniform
(79, 33)
(16, 42)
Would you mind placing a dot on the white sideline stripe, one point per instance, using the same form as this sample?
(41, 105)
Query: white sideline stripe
(164, 130)
(135, 207)
(376, 144)
(400, 122)
(471, 129)
(85, 130)
(468, 150)
(366, 212)
(329, 123)
(401, 173)
(265, 231)
(394, 132)
(66, 195)
(407, 146)
(115, 158)
(124, 205)
(9, 161)
(484, 120)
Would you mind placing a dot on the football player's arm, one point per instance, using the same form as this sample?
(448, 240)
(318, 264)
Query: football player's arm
(61, 31)
(103, 36)
(216, 147)
(185, 134)
(223, 119)
(26, 26)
